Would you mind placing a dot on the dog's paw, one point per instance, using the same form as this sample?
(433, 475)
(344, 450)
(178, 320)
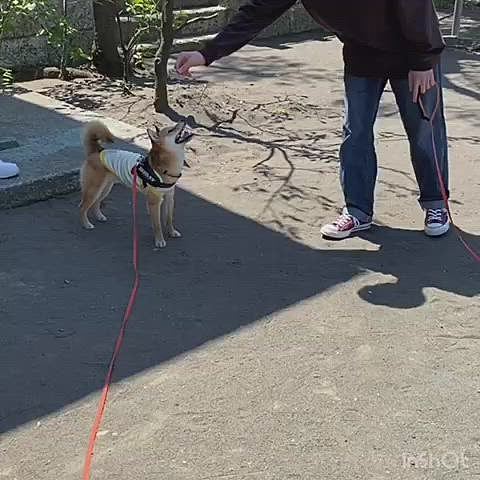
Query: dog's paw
(101, 217)
(88, 226)
(175, 234)
(160, 243)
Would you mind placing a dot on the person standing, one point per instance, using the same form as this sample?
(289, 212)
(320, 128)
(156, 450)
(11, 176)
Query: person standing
(396, 41)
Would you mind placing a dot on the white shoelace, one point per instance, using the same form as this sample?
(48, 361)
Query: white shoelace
(344, 220)
(435, 215)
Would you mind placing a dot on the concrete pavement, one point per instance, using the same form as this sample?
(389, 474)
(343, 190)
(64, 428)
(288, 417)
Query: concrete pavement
(251, 354)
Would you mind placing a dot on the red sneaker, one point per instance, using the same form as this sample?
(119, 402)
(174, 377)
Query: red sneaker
(344, 226)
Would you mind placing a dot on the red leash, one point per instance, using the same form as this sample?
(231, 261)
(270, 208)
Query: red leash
(118, 344)
(133, 295)
(443, 189)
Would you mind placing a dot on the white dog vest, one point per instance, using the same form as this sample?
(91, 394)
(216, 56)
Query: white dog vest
(121, 163)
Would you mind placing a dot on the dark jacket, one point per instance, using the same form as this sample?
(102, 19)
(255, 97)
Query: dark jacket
(382, 38)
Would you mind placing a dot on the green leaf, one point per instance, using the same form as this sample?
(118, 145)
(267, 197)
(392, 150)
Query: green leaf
(78, 55)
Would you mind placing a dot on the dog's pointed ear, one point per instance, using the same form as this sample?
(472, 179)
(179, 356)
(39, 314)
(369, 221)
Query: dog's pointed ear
(152, 135)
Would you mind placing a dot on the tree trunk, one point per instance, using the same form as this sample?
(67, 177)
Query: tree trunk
(125, 54)
(106, 57)
(126, 71)
(457, 17)
(161, 57)
(64, 74)
(65, 46)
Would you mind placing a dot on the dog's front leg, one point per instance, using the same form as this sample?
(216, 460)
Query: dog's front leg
(154, 208)
(169, 210)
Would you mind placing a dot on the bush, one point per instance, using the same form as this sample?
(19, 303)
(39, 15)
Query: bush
(44, 17)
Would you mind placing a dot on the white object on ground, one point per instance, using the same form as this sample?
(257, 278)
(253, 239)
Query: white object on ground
(8, 170)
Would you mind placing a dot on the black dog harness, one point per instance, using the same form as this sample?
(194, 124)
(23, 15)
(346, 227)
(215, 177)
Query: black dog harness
(149, 176)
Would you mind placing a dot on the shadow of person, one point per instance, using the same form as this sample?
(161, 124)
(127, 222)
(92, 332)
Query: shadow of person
(417, 262)
(394, 295)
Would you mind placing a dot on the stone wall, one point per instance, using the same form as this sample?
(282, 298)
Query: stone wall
(24, 49)
(295, 20)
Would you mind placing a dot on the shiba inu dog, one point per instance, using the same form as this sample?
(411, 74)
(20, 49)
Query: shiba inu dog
(157, 174)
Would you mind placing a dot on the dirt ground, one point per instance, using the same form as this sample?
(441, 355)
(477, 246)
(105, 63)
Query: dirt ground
(258, 350)
(273, 126)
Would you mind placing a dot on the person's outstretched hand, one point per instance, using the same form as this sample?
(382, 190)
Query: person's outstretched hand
(187, 60)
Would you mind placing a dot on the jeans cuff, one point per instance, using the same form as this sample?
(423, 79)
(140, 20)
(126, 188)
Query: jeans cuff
(432, 204)
(357, 213)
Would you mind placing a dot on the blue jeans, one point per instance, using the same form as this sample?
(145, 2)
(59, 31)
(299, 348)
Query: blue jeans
(358, 159)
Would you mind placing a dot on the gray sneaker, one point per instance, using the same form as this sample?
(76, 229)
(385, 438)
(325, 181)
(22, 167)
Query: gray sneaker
(437, 222)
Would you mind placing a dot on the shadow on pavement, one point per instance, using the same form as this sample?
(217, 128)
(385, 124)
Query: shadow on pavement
(64, 290)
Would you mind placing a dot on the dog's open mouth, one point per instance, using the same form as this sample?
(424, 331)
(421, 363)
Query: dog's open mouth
(184, 135)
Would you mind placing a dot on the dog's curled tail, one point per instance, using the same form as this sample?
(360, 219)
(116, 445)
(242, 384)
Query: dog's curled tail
(96, 132)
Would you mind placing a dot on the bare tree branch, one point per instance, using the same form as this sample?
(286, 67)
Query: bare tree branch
(195, 20)
(140, 31)
(218, 122)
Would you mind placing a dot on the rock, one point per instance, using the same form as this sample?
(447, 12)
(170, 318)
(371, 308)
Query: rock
(54, 72)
